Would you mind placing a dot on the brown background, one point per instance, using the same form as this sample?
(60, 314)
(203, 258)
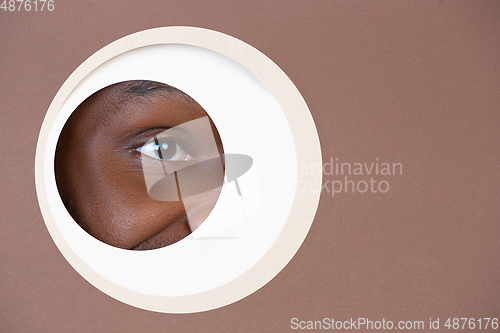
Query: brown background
(410, 82)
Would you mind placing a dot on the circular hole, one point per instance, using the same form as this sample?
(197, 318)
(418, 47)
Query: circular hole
(259, 220)
(139, 165)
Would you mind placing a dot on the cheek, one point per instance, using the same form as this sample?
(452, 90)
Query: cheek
(125, 216)
(112, 202)
(134, 224)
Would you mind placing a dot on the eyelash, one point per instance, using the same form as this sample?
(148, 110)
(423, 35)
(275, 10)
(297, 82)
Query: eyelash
(166, 149)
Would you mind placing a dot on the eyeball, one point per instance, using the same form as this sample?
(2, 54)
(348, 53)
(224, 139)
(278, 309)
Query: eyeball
(166, 149)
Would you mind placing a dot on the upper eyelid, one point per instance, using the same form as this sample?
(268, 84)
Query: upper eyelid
(138, 138)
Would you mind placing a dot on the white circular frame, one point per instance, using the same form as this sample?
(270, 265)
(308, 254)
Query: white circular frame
(307, 149)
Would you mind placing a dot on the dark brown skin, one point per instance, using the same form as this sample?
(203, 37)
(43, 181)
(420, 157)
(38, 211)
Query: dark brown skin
(99, 172)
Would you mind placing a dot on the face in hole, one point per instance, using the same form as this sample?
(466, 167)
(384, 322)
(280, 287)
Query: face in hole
(139, 165)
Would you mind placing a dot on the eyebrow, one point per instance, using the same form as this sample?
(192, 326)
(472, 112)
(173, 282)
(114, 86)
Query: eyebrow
(144, 88)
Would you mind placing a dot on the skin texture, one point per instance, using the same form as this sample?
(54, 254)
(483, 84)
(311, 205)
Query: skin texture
(99, 171)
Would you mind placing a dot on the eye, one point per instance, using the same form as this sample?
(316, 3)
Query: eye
(167, 149)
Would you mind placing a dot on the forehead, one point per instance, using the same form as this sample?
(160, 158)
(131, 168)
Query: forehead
(114, 107)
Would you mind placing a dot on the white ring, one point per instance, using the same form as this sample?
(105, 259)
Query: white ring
(287, 130)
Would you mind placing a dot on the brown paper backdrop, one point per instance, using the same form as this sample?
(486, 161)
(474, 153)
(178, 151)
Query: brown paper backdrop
(410, 82)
